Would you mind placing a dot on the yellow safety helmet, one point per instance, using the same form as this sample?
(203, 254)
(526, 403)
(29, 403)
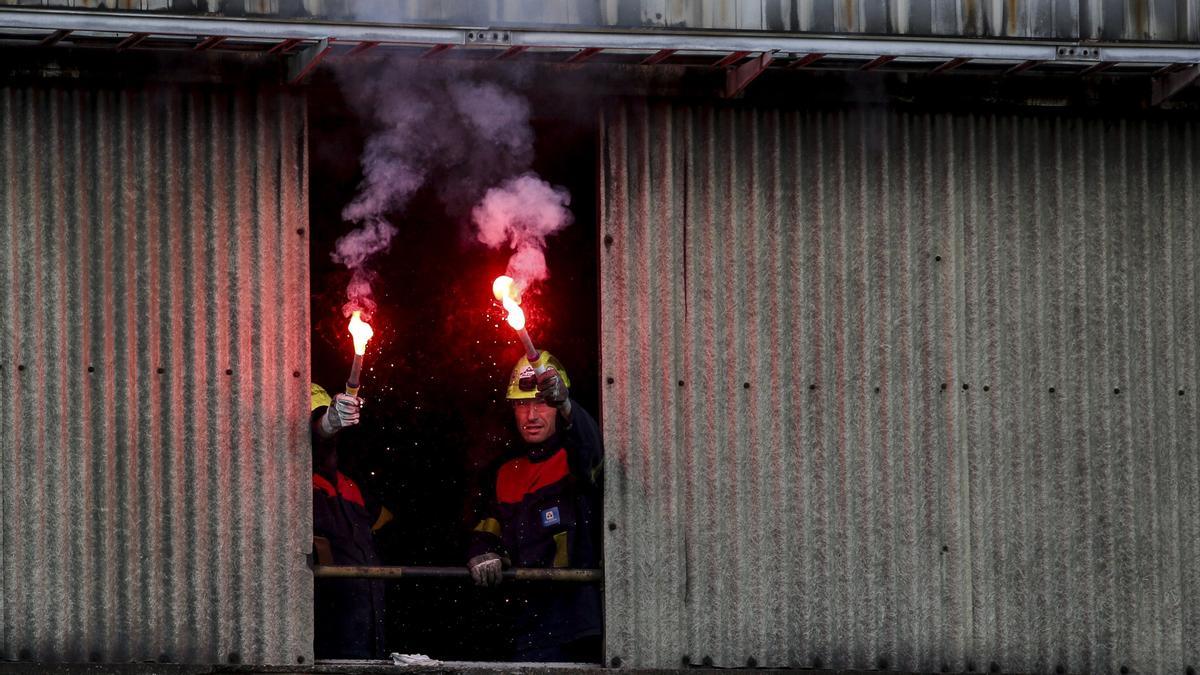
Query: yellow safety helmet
(320, 397)
(521, 382)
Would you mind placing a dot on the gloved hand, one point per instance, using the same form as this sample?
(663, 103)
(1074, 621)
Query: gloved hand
(485, 569)
(551, 388)
(342, 413)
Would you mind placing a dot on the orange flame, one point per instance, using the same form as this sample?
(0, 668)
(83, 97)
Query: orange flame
(361, 332)
(505, 292)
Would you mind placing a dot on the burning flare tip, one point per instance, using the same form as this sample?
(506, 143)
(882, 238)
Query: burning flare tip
(504, 291)
(361, 332)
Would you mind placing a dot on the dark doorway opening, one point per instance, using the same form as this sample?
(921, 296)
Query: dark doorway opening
(435, 416)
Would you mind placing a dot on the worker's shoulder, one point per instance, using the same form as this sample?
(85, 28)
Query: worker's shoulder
(523, 477)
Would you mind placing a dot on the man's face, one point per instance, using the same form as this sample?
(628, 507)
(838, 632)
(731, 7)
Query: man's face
(535, 419)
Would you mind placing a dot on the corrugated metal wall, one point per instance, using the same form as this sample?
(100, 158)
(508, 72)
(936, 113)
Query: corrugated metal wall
(1152, 20)
(900, 390)
(154, 454)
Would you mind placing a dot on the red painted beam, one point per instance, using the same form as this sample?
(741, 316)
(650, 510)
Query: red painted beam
(435, 50)
(1099, 67)
(209, 42)
(131, 41)
(877, 62)
(309, 59)
(737, 79)
(511, 53)
(659, 56)
(362, 47)
(1163, 87)
(1022, 67)
(54, 38)
(806, 60)
(284, 46)
(584, 54)
(1167, 70)
(949, 65)
(731, 59)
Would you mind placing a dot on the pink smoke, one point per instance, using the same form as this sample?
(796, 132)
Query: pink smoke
(520, 214)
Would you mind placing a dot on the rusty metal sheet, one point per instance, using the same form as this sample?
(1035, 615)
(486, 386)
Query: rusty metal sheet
(154, 273)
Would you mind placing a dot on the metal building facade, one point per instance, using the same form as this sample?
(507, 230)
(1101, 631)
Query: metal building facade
(154, 450)
(1141, 20)
(900, 390)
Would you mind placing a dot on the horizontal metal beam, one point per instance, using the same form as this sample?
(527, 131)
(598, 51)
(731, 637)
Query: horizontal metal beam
(1150, 54)
(161, 24)
(830, 46)
(656, 42)
(522, 574)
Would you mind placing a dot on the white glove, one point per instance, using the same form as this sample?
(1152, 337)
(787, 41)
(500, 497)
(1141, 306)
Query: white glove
(342, 413)
(413, 660)
(486, 569)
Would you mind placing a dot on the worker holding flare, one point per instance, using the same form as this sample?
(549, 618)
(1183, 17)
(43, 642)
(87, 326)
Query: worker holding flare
(544, 507)
(349, 613)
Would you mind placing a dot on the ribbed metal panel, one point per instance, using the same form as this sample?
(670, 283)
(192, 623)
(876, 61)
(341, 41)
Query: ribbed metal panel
(828, 340)
(154, 456)
(1143, 20)
(1079, 273)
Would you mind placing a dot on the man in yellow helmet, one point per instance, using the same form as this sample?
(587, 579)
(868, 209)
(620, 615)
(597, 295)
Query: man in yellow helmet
(543, 512)
(349, 612)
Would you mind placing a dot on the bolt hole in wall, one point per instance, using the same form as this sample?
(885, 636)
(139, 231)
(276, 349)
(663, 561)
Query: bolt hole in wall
(435, 373)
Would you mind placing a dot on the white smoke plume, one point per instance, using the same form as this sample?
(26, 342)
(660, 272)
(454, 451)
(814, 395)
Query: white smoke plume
(446, 129)
(521, 213)
(354, 250)
(464, 133)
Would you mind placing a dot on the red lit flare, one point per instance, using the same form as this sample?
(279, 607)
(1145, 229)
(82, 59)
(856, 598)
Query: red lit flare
(505, 291)
(361, 332)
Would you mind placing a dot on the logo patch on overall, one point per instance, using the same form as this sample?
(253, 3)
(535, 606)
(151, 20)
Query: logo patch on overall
(550, 517)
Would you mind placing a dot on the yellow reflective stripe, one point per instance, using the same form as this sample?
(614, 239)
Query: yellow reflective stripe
(560, 550)
(489, 525)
